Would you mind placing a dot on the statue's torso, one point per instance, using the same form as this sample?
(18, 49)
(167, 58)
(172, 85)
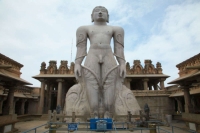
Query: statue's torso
(100, 36)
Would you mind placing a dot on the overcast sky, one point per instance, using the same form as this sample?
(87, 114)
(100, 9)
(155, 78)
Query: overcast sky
(33, 31)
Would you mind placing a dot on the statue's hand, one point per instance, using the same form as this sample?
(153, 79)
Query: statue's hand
(122, 71)
(77, 71)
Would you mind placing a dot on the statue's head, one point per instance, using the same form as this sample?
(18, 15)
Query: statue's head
(100, 13)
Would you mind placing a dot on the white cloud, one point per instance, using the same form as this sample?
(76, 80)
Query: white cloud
(175, 41)
(35, 31)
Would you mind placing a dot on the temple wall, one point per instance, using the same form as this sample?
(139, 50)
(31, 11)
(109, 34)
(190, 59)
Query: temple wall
(159, 105)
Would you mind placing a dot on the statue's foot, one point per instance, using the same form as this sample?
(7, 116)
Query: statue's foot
(94, 115)
(107, 115)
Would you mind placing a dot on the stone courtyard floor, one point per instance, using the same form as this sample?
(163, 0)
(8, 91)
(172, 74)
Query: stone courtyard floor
(23, 126)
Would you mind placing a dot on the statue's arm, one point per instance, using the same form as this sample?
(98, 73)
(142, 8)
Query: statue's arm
(119, 49)
(81, 44)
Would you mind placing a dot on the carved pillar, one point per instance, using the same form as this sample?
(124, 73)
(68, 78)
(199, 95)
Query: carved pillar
(145, 83)
(2, 99)
(22, 106)
(155, 86)
(162, 85)
(49, 100)
(59, 94)
(14, 103)
(41, 101)
(10, 97)
(127, 83)
(188, 105)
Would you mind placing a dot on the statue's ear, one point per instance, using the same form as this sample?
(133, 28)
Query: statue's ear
(108, 18)
(92, 18)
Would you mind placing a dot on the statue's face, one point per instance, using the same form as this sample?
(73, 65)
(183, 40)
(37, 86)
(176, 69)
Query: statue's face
(100, 14)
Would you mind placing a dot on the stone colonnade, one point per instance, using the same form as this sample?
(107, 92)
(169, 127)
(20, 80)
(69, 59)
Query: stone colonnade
(8, 103)
(147, 85)
(47, 86)
(187, 100)
(46, 91)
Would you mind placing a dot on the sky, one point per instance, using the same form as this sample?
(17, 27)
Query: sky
(36, 31)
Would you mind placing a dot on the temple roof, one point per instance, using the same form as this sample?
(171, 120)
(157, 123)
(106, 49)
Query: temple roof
(147, 76)
(19, 95)
(11, 60)
(185, 78)
(5, 74)
(181, 93)
(190, 59)
(54, 76)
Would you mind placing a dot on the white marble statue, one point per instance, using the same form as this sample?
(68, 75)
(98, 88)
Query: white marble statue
(100, 92)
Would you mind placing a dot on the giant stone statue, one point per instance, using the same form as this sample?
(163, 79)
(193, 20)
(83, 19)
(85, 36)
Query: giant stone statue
(100, 92)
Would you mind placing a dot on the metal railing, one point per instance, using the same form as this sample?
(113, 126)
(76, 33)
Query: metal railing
(116, 126)
(35, 129)
(123, 127)
(183, 129)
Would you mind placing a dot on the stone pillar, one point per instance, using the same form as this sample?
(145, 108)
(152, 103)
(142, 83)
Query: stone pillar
(59, 94)
(14, 103)
(150, 86)
(155, 86)
(9, 105)
(41, 101)
(22, 106)
(49, 100)
(145, 83)
(188, 106)
(127, 83)
(180, 108)
(162, 85)
(2, 99)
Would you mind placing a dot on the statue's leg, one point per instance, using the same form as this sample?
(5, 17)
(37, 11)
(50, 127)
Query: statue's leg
(91, 86)
(109, 94)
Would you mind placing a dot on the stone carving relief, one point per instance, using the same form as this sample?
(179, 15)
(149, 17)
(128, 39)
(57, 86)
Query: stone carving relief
(52, 68)
(63, 69)
(194, 61)
(71, 71)
(159, 68)
(43, 68)
(149, 67)
(128, 69)
(77, 101)
(15, 68)
(137, 67)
